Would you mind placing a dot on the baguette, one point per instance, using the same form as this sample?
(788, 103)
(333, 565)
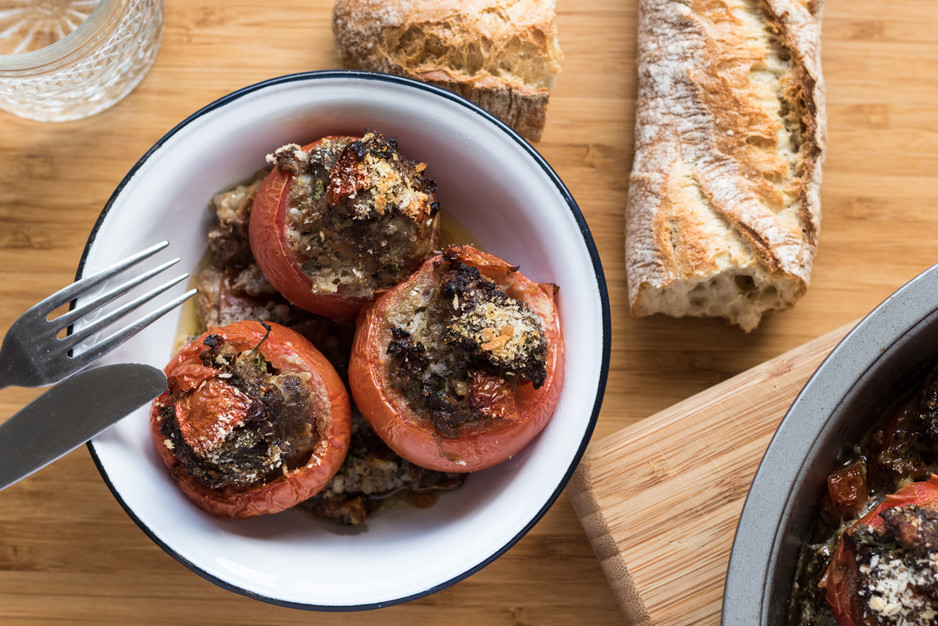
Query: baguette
(503, 55)
(724, 207)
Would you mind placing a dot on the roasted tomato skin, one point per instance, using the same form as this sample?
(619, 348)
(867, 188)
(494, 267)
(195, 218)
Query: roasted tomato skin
(519, 418)
(287, 351)
(841, 579)
(267, 232)
(268, 238)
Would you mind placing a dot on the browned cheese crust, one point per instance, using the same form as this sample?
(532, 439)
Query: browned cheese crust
(724, 196)
(500, 54)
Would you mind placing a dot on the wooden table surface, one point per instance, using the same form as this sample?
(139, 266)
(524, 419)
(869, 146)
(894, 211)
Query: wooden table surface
(68, 550)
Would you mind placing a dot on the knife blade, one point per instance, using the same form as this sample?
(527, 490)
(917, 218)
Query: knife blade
(71, 413)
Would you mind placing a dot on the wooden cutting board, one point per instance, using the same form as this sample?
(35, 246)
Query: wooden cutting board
(660, 500)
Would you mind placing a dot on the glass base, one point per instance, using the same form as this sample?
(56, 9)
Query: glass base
(28, 25)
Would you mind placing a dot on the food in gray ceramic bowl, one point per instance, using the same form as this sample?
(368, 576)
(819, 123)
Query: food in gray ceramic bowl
(882, 361)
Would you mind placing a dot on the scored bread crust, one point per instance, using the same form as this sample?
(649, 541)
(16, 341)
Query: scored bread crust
(503, 55)
(724, 196)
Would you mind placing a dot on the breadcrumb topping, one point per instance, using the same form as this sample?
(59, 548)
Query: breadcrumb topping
(471, 348)
(898, 566)
(360, 215)
(393, 188)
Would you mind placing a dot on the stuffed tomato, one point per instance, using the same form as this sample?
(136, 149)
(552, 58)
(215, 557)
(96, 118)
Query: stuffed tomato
(885, 568)
(460, 366)
(339, 220)
(254, 421)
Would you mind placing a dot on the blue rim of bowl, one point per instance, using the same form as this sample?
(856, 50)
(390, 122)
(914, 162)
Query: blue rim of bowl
(587, 240)
(756, 543)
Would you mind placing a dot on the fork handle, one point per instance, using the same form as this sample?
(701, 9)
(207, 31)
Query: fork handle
(14, 363)
(6, 377)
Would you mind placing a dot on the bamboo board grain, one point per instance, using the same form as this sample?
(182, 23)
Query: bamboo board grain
(660, 500)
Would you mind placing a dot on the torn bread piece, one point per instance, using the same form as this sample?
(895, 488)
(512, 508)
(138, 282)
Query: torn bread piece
(503, 55)
(724, 196)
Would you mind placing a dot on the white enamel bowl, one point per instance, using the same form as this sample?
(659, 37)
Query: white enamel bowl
(513, 205)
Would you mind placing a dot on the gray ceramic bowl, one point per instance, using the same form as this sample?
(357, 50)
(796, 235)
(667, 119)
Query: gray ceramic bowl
(840, 403)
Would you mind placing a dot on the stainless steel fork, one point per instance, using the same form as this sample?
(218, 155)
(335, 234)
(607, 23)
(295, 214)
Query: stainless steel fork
(33, 355)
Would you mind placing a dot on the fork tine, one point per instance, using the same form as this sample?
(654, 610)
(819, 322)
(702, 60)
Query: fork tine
(67, 294)
(68, 318)
(99, 349)
(78, 336)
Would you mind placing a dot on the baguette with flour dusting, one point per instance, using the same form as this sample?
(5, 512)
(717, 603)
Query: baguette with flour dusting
(503, 55)
(724, 196)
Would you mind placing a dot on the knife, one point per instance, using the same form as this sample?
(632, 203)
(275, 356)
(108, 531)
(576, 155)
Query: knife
(71, 413)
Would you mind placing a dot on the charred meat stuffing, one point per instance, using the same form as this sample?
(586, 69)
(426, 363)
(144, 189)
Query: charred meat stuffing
(229, 294)
(274, 433)
(360, 215)
(232, 287)
(474, 346)
(228, 240)
(371, 475)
